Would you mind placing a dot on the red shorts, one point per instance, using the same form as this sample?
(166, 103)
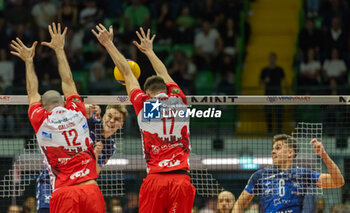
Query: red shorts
(78, 198)
(165, 193)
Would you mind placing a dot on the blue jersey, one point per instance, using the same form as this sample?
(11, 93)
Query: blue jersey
(282, 191)
(43, 190)
(95, 127)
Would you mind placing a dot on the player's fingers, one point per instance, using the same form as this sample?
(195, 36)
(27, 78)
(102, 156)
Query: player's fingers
(34, 45)
(54, 28)
(15, 53)
(98, 28)
(19, 41)
(14, 47)
(102, 27)
(50, 31)
(153, 37)
(14, 43)
(136, 44)
(64, 31)
(314, 140)
(93, 31)
(138, 35)
(111, 29)
(142, 32)
(46, 44)
(59, 28)
(148, 33)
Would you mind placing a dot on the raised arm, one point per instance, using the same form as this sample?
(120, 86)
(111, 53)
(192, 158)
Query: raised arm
(242, 202)
(57, 44)
(146, 47)
(27, 55)
(334, 179)
(106, 39)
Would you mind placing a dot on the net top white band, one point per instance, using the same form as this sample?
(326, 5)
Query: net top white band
(206, 100)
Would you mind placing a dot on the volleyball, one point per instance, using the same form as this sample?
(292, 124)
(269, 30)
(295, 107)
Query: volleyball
(134, 68)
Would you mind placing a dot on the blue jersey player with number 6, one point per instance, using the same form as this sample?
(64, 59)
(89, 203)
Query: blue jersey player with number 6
(283, 186)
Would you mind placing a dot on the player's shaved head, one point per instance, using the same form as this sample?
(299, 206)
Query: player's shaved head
(226, 201)
(50, 99)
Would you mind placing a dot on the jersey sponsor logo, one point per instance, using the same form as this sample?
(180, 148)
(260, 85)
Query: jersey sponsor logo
(60, 111)
(169, 163)
(80, 173)
(155, 149)
(175, 90)
(63, 160)
(46, 135)
(76, 99)
(86, 161)
(151, 109)
(85, 127)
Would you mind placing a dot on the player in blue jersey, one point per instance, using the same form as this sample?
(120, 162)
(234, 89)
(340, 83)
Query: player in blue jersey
(102, 132)
(283, 186)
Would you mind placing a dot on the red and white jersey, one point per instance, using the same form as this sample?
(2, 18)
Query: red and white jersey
(63, 136)
(165, 140)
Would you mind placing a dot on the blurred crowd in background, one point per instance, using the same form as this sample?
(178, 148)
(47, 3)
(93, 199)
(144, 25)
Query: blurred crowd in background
(192, 36)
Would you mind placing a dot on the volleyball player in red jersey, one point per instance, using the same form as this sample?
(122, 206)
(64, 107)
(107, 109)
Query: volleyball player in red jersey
(165, 139)
(62, 132)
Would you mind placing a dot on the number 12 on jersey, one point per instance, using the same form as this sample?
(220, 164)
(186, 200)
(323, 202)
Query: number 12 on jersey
(69, 133)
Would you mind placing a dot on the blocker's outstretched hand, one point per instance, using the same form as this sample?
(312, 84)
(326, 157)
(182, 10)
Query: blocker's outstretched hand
(146, 43)
(22, 51)
(57, 38)
(103, 35)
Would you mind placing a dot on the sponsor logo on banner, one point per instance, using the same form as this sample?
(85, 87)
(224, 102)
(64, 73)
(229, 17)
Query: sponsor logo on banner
(343, 99)
(122, 99)
(4, 98)
(80, 173)
(287, 99)
(215, 99)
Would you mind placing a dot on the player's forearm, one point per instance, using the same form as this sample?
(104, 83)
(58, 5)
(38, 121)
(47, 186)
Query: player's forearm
(118, 59)
(157, 64)
(31, 78)
(238, 208)
(63, 66)
(334, 171)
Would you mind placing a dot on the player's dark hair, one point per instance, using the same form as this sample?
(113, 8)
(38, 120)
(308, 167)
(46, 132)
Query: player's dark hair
(121, 108)
(154, 84)
(289, 140)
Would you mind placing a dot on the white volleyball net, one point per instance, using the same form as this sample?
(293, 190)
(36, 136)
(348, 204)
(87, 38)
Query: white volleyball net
(226, 150)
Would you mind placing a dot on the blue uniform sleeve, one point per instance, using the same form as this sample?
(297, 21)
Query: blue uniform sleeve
(92, 122)
(252, 183)
(107, 152)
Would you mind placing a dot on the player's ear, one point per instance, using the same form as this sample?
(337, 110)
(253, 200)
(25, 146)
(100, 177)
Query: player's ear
(291, 153)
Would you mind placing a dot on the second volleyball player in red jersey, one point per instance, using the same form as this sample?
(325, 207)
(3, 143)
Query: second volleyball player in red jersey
(165, 134)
